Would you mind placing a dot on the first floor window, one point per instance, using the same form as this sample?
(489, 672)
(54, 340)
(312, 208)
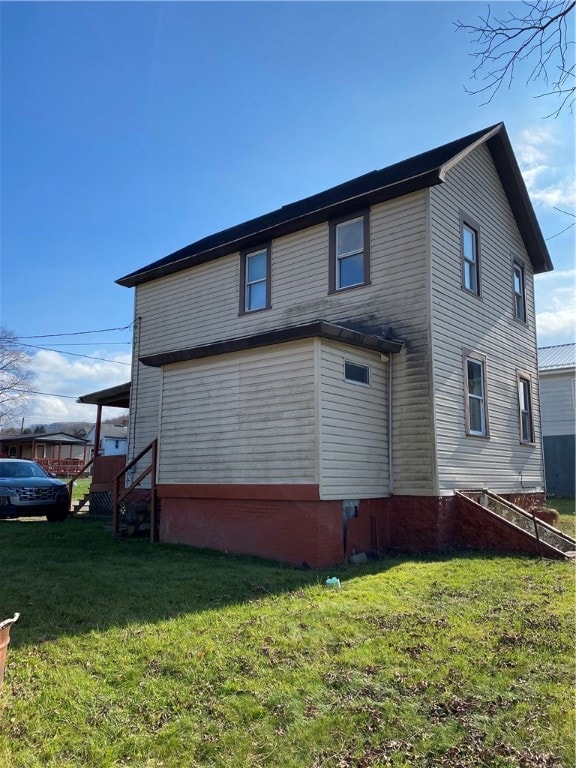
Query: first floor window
(525, 406)
(470, 259)
(255, 274)
(475, 378)
(349, 253)
(519, 292)
(359, 374)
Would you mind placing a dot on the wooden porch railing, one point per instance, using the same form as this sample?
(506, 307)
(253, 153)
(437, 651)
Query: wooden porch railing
(62, 467)
(119, 496)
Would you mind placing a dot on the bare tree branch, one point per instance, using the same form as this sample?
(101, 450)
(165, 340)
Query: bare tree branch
(538, 38)
(16, 376)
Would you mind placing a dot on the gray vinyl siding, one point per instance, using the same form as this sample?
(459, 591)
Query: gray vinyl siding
(201, 304)
(144, 416)
(241, 418)
(353, 427)
(557, 394)
(485, 325)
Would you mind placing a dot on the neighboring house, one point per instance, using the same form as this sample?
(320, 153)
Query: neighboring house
(557, 368)
(321, 379)
(57, 452)
(113, 440)
(105, 467)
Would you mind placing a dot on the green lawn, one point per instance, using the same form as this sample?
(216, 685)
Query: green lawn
(80, 487)
(567, 511)
(132, 654)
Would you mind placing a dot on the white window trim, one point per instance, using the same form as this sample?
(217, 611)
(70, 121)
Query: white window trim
(245, 256)
(518, 265)
(523, 378)
(335, 258)
(467, 222)
(358, 365)
(340, 257)
(481, 361)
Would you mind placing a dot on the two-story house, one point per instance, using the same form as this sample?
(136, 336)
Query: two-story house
(321, 379)
(113, 439)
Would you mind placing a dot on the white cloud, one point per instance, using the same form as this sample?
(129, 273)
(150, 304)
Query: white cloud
(542, 161)
(62, 380)
(562, 322)
(556, 307)
(562, 194)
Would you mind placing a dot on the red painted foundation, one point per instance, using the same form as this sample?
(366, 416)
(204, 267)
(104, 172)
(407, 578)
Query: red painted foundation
(298, 532)
(418, 524)
(311, 532)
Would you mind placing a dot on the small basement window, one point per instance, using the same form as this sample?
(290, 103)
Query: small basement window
(358, 374)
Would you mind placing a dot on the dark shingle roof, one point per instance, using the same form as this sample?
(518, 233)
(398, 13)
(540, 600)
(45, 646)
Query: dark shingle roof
(113, 431)
(418, 172)
(118, 396)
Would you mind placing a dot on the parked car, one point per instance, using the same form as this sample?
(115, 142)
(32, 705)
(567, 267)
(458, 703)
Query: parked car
(26, 490)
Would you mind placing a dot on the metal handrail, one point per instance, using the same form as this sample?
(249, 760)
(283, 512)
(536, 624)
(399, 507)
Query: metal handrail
(544, 533)
(118, 496)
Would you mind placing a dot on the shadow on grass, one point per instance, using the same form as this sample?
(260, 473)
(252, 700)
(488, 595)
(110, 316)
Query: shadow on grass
(72, 578)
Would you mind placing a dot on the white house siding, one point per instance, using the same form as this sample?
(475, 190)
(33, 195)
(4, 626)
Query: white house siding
(246, 417)
(558, 406)
(200, 305)
(353, 426)
(461, 321)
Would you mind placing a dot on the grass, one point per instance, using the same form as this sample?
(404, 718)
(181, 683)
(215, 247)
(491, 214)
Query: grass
(131, 654)
(81, 486)
(567, 510)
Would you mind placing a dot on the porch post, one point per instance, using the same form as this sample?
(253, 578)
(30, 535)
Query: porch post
(97, 432)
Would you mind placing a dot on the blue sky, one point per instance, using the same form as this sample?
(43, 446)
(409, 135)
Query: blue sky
(129, 130)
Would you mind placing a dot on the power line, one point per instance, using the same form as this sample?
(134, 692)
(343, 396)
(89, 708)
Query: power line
(48, 394)
(75, 354)
(560, 233)
(76, 333)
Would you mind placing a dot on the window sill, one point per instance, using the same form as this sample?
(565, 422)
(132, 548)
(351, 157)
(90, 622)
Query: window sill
(246, 312)
(468, 292)
(333, 291)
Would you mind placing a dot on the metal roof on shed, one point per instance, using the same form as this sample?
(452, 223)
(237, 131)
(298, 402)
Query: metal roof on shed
(559, 356)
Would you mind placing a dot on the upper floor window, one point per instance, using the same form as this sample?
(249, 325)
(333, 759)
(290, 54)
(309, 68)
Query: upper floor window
(349, 253)
(519, 291)
(470, 257)
(255, 280)
(475, 386)
(525, 408)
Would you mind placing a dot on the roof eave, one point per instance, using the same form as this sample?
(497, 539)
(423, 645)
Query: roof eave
(316, 328)
(519, 200)
(559, 369)
(113, 397)
(317, 216)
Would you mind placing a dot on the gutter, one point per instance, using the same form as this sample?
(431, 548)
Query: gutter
(316, 328)
(282, 227)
